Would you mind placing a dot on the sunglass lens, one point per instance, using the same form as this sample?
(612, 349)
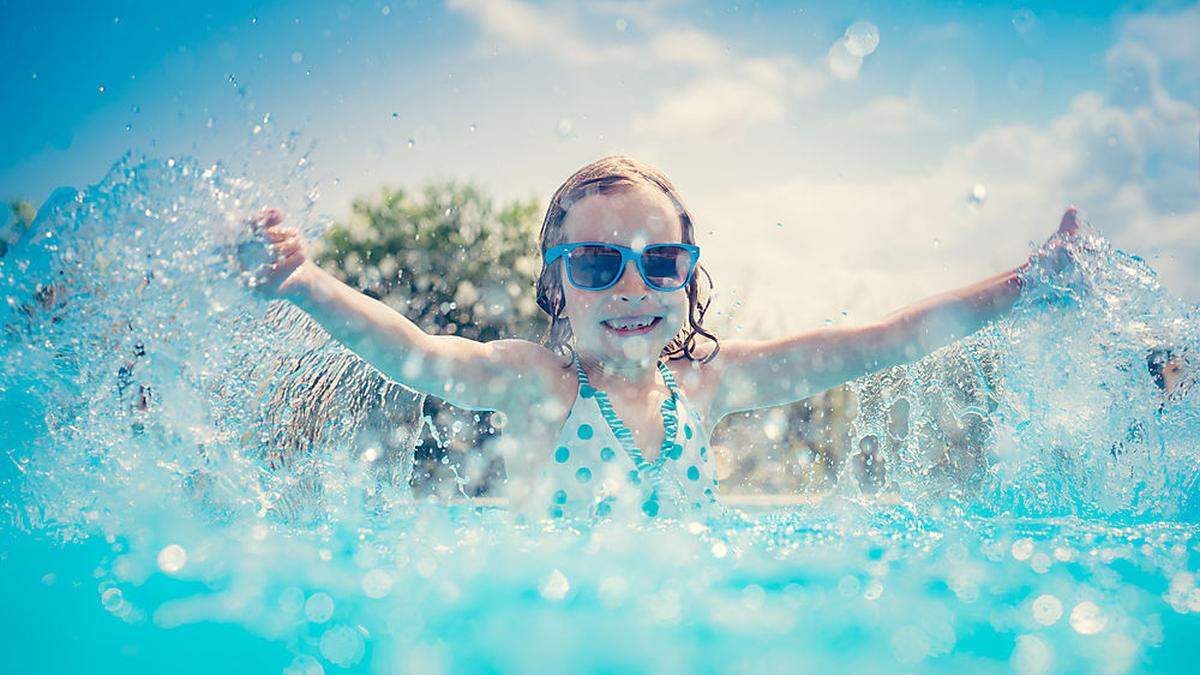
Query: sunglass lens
(667, 266)
(594, 266)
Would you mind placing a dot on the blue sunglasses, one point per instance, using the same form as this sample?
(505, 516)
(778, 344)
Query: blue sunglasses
(596, 265)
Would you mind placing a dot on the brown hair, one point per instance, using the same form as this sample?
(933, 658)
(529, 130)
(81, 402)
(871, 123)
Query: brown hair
(608, 176)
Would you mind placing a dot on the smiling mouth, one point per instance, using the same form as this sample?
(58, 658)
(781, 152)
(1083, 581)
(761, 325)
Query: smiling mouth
(631, 325)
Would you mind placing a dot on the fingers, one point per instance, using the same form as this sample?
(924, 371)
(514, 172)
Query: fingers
(277, 234)
(285, 248)
(266, 219)
(1070, 221)
(279, 269)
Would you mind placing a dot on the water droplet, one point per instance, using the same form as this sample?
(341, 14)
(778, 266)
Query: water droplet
(862, 37)
(377, 583)
(1087, 618)
(1047, 609)
(779, 225)
(565, 127)
(978, 194)
(937, 243)
(128, 127)
(172, 558)
(555, 587)
(100, 89)
(297, 57)
(319, 607)
(387, 9)
(1031, 655)
(621, 24)
(411, 143)
(342, 646)
(395, 115)
(111, 599)
(471, 128)
(135, 109)
(1024, 20)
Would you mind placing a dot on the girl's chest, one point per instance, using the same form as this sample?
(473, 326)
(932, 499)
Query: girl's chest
(646, 418)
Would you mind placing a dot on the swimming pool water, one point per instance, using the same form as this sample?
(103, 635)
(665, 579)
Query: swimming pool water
(837, 586)
(206, 532)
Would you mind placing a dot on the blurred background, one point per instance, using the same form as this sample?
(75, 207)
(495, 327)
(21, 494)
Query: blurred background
(840, 161)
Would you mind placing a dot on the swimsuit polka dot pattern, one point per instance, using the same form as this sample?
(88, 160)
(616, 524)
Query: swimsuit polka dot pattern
(598, 470)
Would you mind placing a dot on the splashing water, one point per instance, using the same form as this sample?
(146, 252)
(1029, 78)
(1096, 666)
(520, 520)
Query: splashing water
(163, 384)
(1033, 504)
(1053, 411)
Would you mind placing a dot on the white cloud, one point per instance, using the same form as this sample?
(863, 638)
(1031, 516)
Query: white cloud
(712, 105)
(524, 27)
(724, 90)
(1174, 37)
(688, 45)
(1127, 156)
(891, 115)
(750, 92)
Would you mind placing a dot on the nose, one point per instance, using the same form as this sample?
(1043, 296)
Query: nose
(630, 287)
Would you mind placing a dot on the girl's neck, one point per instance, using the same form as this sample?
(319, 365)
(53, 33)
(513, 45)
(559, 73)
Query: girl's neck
(624, 375)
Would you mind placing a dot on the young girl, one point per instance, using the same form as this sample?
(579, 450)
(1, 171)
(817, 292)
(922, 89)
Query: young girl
(613, 414)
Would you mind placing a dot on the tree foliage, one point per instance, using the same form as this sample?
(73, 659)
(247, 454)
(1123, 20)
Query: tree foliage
(21, 214)
(446, 258)
(451, 261)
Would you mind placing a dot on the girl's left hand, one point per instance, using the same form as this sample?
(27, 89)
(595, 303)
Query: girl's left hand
(1053, 256)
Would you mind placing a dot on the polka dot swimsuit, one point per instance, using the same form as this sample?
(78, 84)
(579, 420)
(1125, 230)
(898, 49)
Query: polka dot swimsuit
(595, 469)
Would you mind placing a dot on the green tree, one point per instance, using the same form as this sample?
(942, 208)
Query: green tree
(454, 263)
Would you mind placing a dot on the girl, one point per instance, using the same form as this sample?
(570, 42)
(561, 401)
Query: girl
(613, 414)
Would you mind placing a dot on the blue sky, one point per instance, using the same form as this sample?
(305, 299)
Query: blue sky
(755, 112)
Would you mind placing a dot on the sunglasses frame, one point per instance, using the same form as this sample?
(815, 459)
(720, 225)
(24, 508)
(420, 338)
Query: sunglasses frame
(564, 251)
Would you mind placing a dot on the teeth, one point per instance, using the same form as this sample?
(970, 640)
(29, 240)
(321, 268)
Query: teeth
(631, 322)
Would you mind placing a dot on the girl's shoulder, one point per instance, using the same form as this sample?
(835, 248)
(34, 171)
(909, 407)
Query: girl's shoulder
(697, 379)
(550, 374)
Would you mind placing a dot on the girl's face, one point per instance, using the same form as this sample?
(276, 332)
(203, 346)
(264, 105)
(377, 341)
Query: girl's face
(629, 321)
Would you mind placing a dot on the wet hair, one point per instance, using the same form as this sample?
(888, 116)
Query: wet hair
(611, 175)
(1156, 363)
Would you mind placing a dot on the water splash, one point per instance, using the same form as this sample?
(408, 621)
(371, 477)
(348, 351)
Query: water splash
(1055, 410)
(154, 381)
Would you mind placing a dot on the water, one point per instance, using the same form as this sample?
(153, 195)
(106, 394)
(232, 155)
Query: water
(190, 471)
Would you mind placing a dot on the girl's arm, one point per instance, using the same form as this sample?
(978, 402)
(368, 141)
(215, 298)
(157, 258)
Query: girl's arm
(500, 375)
(759, 374)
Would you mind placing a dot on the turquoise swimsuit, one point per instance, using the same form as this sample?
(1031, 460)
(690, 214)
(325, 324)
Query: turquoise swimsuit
(595, 469)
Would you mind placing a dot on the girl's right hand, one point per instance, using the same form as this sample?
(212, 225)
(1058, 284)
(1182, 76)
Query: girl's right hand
(286, 258)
